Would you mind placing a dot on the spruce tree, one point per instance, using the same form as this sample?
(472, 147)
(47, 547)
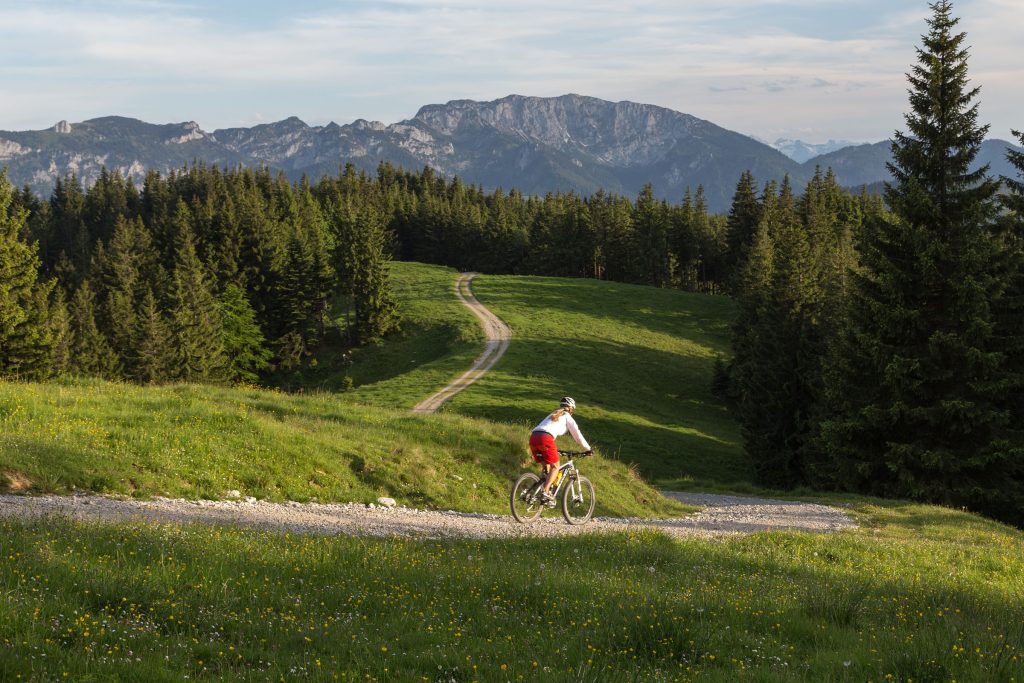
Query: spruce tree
(25, 339)
(91, 353)
(121, 270)
(195, 318)
(776, 345)
(152, 353)
(651, 232)
(365, 265)
(744, 215)
(1010, 311)
(68, 236)
(61, 332)
(914, 382)
(243, 340)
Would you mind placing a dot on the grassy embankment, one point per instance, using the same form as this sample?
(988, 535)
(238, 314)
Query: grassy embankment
(589, 339)
(638, 359)
(196, 441)
(201, 442)
(917, 594)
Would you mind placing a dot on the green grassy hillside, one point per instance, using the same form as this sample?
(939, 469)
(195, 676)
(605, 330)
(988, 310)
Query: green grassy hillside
(439, 339)
(638, 360)
(917, 593)
(197, 441)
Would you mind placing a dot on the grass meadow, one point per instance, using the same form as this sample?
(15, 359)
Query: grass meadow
(638, 359)
(916, 594)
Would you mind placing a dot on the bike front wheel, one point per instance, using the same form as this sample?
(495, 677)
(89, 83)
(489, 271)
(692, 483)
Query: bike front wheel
(524, 500)
(578, 501)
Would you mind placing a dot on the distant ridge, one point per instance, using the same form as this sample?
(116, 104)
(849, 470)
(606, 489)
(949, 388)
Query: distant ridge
(534, 144)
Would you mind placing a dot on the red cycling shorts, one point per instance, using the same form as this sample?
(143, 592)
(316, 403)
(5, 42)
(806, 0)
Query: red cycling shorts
(543, 449)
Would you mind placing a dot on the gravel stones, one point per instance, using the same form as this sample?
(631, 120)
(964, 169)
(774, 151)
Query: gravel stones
(722, 515)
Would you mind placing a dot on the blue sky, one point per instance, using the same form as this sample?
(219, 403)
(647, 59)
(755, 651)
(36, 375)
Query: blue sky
(808, 69)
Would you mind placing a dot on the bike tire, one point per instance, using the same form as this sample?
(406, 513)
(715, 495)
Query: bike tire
(579, 511)
(524, 511)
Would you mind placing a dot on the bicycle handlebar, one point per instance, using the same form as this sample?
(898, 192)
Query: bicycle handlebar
(575, 454)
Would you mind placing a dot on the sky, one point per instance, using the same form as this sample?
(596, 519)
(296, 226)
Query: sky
(805, 69)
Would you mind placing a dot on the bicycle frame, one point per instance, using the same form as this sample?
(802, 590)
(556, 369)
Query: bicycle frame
(568, 470)
(569, 473)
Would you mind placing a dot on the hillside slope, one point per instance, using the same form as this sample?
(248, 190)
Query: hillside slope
(202, 442)
(638, 360)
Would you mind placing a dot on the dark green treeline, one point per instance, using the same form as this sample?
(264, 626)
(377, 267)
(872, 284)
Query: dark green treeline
(211, 275)
(201, 276)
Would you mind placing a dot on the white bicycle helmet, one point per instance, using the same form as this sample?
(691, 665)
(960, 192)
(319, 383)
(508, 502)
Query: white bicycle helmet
(567, 402)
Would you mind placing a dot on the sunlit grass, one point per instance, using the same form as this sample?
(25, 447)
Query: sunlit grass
(202, 442)
(638, 360)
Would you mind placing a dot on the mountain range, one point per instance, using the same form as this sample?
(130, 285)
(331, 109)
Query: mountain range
(533, 144)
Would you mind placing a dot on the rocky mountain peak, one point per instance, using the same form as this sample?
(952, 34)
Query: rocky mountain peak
(363, 124)
(61, 127)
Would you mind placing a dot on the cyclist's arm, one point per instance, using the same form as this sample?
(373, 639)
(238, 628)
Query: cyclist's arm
(576, 433)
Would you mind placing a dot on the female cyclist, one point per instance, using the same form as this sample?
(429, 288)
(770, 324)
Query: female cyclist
(542, 442)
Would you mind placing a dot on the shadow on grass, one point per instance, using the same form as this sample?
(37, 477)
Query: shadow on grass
(637, 404)
(52, 468)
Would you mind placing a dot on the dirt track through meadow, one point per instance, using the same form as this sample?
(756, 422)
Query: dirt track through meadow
(498, 336)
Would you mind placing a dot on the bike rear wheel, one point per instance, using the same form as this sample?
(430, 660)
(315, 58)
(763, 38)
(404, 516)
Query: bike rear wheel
(578, 501)
(524, 502)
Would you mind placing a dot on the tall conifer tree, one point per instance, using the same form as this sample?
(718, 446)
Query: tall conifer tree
(365, 265)
(650, 230)
(243, 339)
(195, 317)
(152, 355)
(744, 215)
(777, 348)
(1010, 312)
(915, 383)
(90, 351)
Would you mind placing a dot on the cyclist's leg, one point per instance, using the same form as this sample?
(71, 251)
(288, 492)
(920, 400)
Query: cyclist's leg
(550, 473)
(545, 451)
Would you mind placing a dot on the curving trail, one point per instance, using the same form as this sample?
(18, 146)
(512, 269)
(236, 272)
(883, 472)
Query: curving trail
(498, 336)
(721, 516)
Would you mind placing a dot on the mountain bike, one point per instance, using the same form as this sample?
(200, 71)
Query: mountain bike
(571, 490)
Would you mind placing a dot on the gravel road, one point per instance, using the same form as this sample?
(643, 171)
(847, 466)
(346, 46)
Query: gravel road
(721, 515)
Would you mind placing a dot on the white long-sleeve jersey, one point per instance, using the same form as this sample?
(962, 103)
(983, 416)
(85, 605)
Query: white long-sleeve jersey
(557, 428)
